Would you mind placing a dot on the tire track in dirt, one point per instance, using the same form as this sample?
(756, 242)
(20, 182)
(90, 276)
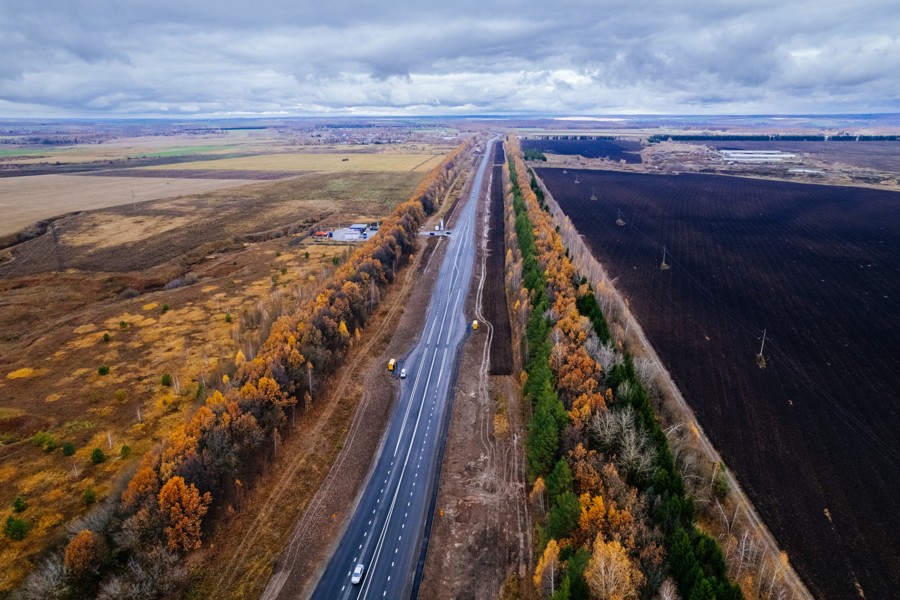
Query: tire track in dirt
(502, 470)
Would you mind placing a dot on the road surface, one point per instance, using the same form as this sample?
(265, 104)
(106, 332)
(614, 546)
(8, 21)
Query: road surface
(386, 532)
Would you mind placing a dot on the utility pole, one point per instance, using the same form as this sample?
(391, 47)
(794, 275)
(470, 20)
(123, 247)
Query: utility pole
(760, 359)
(663, 266)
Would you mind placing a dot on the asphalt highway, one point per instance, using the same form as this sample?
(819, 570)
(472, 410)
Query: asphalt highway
(386, 531)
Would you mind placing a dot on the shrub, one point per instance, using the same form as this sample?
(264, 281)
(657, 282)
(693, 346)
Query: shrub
(89, 496)
(306, 255)
(189, 279)
(228, 318)
(19, 504)
(44, 440)
(123, 324)
(722, 488)
(16, 529)
(68, 449)
(284, 270)
(97, 456)
(165, 308)
(121, 395)
(103, 369)
(335, 260)
(167, 380)
(125, 452)
(106, 338)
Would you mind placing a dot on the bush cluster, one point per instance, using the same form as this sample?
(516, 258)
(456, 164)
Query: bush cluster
(188, 279)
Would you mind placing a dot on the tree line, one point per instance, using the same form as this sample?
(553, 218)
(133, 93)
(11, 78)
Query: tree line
(133, 546)
(616, 521)
(774, 137)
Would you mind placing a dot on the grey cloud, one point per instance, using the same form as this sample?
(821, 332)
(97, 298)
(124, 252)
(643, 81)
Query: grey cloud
(201, 57)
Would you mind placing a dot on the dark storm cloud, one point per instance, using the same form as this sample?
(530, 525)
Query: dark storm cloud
(269, 57)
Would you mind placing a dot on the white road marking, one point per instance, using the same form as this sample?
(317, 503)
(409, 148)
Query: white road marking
(447, 282)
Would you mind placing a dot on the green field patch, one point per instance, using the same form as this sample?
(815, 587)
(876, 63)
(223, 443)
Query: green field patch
(26, 151)
(181, 151)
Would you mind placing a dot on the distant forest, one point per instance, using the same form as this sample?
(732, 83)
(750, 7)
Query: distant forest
(771, 138)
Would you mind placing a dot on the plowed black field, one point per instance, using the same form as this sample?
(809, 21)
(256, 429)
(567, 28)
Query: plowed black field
(630, 152)
(819, 268)
(494, 299)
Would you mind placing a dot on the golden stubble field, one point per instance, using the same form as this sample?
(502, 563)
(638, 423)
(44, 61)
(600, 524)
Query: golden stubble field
(58, 327)
(146, 146)
(24, 200)
(349, 161)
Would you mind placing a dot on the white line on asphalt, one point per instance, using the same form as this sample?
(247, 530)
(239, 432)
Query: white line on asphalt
(387, 520)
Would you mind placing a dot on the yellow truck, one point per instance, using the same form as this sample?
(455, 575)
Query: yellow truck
(391, 364)
(475, 325)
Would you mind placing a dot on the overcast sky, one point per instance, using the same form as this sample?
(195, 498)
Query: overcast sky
(298, 57)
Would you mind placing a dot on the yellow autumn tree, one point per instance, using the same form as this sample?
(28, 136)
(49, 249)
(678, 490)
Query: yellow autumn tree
(144, 484)
(538, 491)
(609, 574)
(183, 508)
(592, 520)
(545, 572)
(84, 552)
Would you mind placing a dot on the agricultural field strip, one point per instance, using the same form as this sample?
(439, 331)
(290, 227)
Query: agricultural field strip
(629, 151)
(495, 304)
(320, 162)
(24, 200)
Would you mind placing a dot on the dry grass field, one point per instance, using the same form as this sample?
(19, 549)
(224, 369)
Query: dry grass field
(24, 200)
(149, 146)
(350, 161)
(59, 325)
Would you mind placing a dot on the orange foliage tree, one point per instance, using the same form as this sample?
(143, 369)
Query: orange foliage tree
(84, 552)
(183, 508)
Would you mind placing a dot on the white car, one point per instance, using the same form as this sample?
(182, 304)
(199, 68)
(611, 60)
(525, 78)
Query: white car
(402, 373)
(357, 574)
